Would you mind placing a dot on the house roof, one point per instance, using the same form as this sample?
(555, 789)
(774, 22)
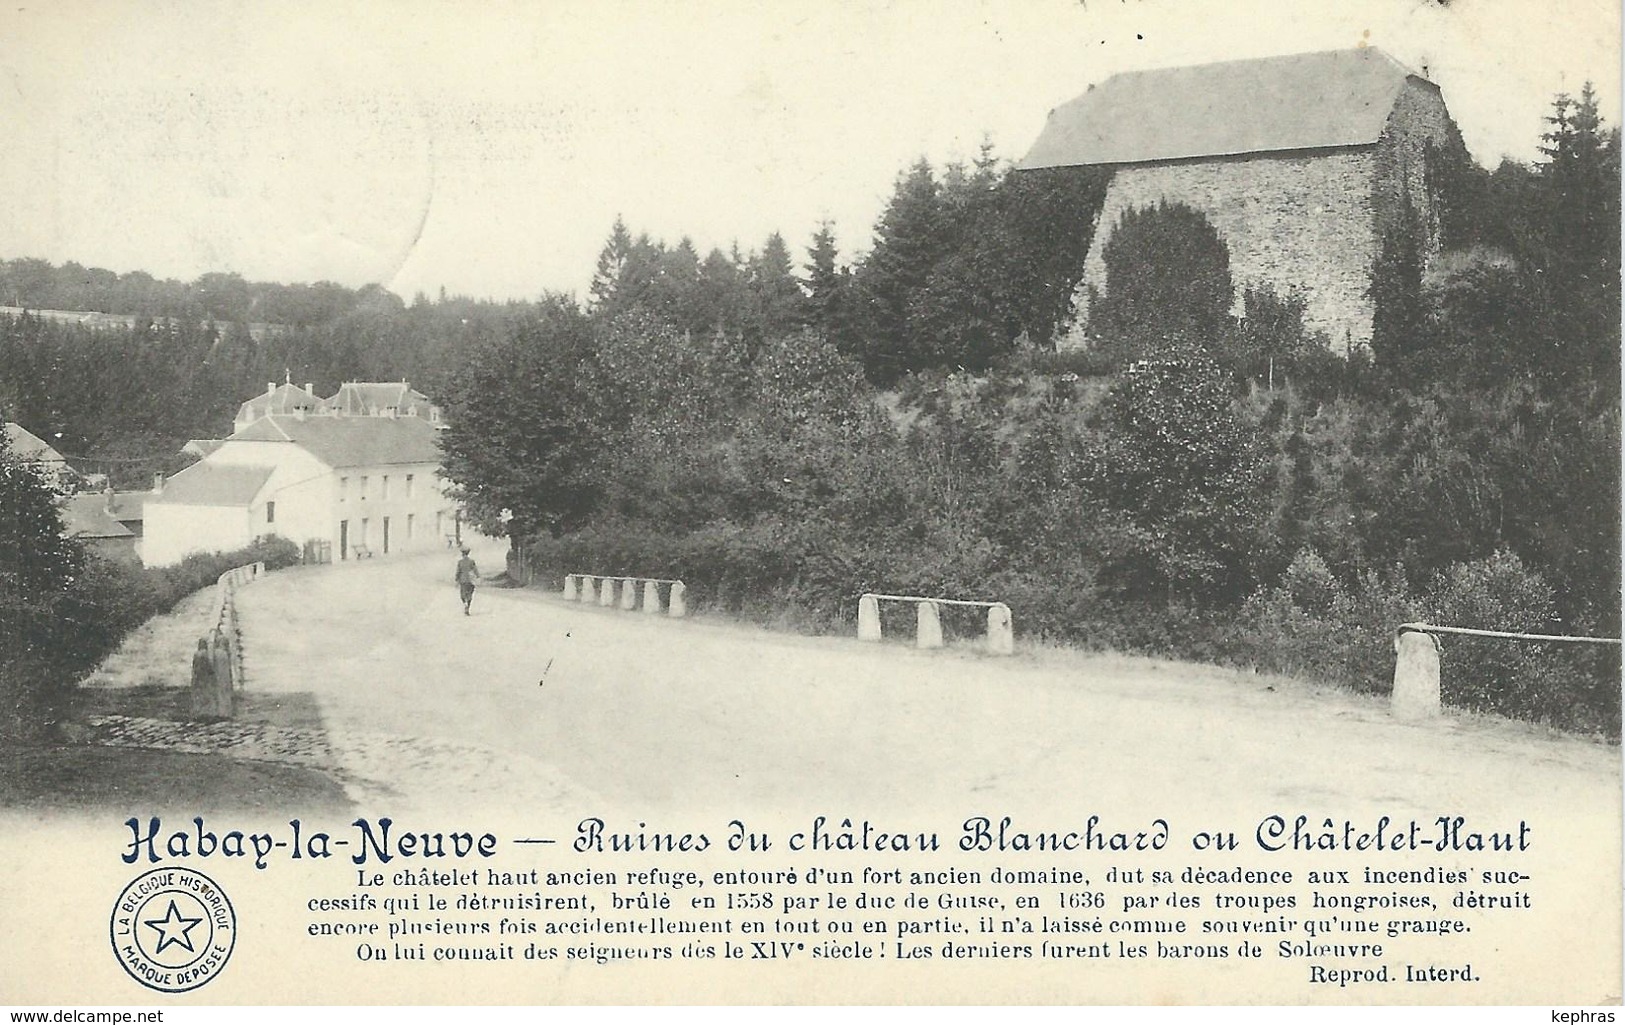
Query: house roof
(284, 398)
(129, 506)
(208, 483)
(85, 515)
(201, 447)
(368, 398)
(1302, 101)
(344, 441)
(26, 445)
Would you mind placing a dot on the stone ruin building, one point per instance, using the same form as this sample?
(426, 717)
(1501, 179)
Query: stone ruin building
(1300, 162)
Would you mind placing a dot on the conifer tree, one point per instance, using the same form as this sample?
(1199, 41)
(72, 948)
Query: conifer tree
(775, 298)
(908, 243)
(823, 280)
(720, 301)
(611, 262)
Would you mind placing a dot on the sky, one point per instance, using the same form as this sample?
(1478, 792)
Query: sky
(487, 148)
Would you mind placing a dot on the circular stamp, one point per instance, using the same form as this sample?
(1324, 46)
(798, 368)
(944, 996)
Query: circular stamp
(173, 929)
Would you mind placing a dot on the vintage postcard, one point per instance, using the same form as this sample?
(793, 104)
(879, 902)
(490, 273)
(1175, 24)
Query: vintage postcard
(858, 503)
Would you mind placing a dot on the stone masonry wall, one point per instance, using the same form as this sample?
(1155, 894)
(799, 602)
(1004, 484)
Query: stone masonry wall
(1419, 117)
(1301, 220)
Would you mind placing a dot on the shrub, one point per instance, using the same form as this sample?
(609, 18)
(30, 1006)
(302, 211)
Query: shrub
(1523, 679)
(99, 607)
(1309, 582)
(1167, 278)
(1179, 478)
(1315, 626)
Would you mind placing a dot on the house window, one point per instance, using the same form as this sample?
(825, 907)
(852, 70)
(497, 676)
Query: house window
(270, 512)
(383, 488)
(409, 485)
(363, 489)
(344, 487)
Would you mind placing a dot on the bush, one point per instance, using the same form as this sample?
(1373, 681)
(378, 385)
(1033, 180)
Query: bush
(1178, 477)
(1167, 279)
(1315, 626)
(1309, 583)
(100, 606)
(1547, 682)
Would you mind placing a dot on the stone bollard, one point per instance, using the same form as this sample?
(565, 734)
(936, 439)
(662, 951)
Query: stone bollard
(212, 662)
(589, 589)
(1001, 639)
(651, 597)
(205, 695)
(231, 679)
(629, 593)
(929, 626)
(868, 618)
(224, 673)
(679, 608)
(1416, 675)
(572, 587)
(606, 593)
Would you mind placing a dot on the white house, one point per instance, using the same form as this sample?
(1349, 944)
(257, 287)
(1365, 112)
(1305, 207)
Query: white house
(363, 484)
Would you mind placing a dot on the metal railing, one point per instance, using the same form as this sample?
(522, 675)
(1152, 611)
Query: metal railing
(1416, 662)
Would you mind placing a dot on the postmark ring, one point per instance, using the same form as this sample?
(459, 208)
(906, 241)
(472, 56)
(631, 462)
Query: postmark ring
(173, 929)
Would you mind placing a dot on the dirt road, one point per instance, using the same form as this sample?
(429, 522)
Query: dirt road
(694, 713)
(552, 711)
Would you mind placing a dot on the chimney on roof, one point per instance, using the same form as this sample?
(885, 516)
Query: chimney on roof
(310, 388)
(157, 483)
(270, 387)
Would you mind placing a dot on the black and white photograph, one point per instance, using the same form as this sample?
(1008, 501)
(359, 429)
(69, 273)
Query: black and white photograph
(1071, 502)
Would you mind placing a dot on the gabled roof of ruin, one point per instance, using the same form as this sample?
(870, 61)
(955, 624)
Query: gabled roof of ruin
(1305, 101)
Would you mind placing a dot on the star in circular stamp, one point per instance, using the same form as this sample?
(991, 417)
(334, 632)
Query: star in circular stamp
(173, 929)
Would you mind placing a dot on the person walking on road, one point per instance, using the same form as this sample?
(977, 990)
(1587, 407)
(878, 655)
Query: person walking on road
(467, 574)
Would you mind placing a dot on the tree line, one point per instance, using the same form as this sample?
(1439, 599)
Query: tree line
(965, 262)
(123, 401)
(36, 284)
